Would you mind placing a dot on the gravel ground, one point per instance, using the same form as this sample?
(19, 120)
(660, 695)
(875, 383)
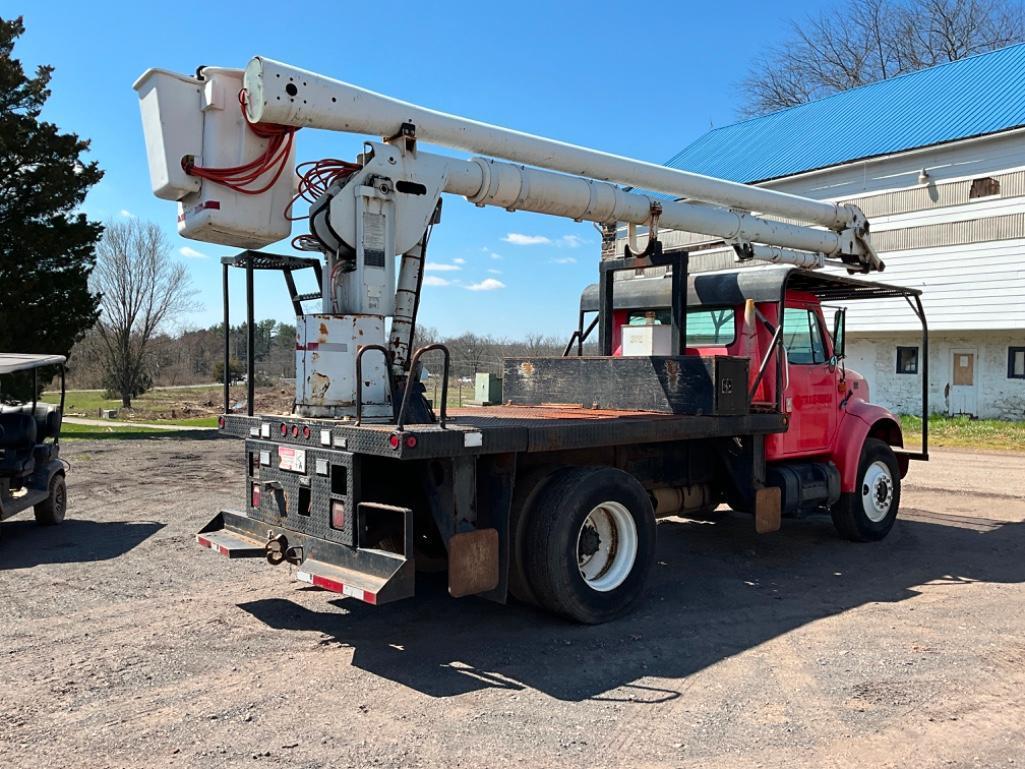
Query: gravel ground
(125, 645)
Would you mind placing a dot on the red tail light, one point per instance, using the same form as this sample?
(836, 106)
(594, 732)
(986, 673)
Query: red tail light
(295, 431)
(337, 514)
(220, 422)
(393, 441)
(284, 429)
(256, 495)
(306, 432)
(411, 442)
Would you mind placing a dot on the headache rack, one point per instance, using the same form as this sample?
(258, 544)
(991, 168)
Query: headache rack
(731, 288)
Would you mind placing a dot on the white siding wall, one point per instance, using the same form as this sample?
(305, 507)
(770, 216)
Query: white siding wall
(957, 160)
(875, 357)
(968, 287)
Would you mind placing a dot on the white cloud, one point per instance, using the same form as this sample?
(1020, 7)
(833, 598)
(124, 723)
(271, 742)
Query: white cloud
(126, 213)
(441, 267)
(434, 280)
(488, 284)
(190, 253)
(565, 241)
(519, 239)
(459, 260)
(565, 260)
(493, 271)
(572, 241)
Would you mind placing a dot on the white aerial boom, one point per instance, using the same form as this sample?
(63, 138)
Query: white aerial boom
(382, 206)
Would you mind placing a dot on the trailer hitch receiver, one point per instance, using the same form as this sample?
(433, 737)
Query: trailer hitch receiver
(276, 548)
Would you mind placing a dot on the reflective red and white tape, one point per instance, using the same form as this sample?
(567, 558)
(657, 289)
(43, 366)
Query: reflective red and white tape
(204, 542)
(337, 587)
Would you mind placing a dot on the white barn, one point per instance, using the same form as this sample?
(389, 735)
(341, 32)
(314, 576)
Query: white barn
(936, 159)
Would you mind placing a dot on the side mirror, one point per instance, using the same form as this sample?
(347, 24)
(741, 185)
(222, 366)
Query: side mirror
(840, 333)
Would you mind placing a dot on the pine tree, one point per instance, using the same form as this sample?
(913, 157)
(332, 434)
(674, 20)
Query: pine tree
(46, 245)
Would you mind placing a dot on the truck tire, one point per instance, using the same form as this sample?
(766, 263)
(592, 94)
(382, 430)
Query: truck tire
(51, 511)
(868, 514)
(528, 486)
(590, 543)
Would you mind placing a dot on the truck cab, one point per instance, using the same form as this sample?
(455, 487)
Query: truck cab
(839, 453)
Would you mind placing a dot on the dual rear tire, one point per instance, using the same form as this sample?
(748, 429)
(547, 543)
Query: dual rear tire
(587, 543)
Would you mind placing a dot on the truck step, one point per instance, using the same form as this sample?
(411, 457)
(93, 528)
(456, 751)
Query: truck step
(337, 579)
(232, 545)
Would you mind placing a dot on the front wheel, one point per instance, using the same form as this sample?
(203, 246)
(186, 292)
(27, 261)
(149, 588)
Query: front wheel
(868, 514)
(51, 511)
(590, 543)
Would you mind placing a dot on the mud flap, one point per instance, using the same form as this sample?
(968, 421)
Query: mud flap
(768, 502)
(370, 575)
(473, 562)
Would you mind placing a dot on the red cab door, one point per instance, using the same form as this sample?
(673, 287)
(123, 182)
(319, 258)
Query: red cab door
(810, 397)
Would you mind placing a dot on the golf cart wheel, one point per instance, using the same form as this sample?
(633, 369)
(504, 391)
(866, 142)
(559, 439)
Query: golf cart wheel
(590, 543)
(868, 514)
(51, 511)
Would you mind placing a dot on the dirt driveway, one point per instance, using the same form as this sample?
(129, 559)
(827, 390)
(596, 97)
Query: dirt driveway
(125, 645)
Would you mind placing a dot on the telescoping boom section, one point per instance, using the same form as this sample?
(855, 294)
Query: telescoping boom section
(551, 496)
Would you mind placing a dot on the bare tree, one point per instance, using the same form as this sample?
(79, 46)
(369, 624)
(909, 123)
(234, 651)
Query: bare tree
(863, 41)
(539, 345)
(142, 288)
(472, 353)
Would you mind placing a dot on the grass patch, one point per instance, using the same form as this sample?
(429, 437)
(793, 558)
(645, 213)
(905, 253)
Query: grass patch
(190, 422)
(115, 432)
(156, 405)
(965, 433)
(85, 402)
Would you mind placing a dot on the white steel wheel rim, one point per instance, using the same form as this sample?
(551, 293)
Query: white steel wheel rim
(606, 546)
(877, 491)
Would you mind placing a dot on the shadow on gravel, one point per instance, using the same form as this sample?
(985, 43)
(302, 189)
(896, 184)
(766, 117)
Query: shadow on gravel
(717, 590)
(24, 544)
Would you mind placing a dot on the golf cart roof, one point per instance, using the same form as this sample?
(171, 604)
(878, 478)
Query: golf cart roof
(725, 288)
(17, 361)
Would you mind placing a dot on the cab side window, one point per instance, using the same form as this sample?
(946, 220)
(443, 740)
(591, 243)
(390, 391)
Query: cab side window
(803, 337)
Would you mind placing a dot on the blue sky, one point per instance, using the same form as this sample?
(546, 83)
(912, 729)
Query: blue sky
(587, 73)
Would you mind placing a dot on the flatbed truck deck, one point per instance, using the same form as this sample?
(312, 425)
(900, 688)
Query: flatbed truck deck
(498, 429)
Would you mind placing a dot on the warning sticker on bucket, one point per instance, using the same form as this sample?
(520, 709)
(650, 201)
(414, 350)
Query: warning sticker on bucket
(292, 459)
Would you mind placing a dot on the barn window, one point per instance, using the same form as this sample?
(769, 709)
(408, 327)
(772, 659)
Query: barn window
(907, 360)
(984, 187)
(1016, 362)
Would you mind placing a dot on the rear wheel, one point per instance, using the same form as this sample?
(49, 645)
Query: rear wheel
(590, 543)
(51, 511)
(869, 512)
(527, 489)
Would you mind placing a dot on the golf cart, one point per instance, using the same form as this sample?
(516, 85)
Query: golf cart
(31, 474)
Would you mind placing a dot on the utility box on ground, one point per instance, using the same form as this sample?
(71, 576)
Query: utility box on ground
(487, 390)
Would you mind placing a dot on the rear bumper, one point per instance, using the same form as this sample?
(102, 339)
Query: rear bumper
(372, 576)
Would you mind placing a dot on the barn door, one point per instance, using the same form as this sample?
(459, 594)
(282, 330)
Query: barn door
(963, 387)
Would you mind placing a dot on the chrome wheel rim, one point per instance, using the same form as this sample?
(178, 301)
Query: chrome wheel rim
(877, 491)
(607, 546)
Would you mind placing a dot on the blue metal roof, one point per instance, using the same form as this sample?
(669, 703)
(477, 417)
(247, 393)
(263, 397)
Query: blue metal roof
(979, 95)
